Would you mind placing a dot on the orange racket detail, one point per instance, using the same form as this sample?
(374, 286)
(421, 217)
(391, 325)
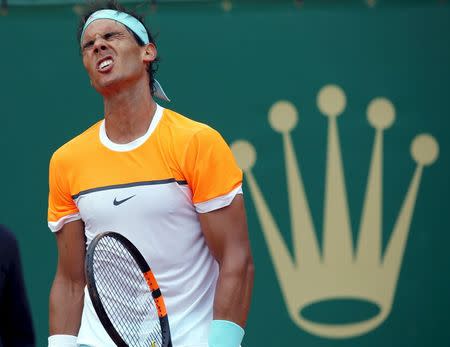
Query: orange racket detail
(151, 280)
(153, 285)
(162, 312)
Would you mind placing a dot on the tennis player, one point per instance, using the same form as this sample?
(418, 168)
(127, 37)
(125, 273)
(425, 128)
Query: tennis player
(167, 183)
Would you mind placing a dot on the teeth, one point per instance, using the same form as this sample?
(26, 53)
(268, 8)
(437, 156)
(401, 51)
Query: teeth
(105, 63)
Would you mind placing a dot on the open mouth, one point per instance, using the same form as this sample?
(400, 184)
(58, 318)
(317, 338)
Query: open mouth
(105, 64)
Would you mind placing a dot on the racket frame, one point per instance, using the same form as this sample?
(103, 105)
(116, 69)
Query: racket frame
(148, 276)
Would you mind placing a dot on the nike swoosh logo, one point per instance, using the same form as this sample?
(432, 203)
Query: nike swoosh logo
(118, 202)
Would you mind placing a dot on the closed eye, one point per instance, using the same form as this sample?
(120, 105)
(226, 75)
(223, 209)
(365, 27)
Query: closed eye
(111, 35)
(88, 44)
(107, 37)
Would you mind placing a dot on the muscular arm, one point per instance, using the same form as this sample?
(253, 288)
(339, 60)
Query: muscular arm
(226, 234)
(66, 295)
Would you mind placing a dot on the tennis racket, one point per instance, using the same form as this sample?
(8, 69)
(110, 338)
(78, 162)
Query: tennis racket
(125, 294)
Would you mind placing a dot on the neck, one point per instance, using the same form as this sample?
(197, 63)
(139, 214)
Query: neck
(128, 113)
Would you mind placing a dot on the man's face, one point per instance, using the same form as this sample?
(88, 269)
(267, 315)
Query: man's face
(112, 57)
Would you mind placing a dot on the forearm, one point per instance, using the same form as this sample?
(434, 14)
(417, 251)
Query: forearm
(66, 306)
(233, 290)
(226, 234)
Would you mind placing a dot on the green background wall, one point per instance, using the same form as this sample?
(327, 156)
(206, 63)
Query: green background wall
(227, 67)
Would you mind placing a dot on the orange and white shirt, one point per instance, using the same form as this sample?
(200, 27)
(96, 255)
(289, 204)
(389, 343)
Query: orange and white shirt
(150, 190)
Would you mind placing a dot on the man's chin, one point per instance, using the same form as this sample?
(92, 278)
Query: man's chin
(106, 87)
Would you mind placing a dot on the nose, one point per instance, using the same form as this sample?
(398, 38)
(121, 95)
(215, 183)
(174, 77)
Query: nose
(99, 45)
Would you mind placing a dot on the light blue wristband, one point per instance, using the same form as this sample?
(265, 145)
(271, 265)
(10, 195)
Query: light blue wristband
(223, 333)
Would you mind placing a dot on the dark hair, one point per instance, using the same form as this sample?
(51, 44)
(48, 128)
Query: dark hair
(114, 5)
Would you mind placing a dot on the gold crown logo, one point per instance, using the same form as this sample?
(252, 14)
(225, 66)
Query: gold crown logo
(339, 271)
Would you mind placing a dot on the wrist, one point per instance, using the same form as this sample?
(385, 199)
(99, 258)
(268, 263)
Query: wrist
(62, 341)
(223, 333)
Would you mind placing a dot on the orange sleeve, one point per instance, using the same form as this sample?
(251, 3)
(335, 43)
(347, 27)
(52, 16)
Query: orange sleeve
(209, 166)
(60, 202)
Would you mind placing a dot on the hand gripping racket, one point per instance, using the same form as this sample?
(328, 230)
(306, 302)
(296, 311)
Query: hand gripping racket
(125, 294)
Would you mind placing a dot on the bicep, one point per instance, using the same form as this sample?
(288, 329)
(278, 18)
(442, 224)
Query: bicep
(225, 230)
(67, 293)
(71, 251)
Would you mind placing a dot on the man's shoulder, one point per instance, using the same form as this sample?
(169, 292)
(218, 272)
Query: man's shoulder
(6, 235)
(185, 128)
(8, 243)
(78, 144)
(182, 123)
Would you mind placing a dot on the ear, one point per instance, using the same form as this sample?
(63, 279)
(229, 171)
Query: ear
(149, 53)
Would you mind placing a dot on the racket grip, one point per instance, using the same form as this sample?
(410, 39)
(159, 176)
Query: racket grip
(223, 333)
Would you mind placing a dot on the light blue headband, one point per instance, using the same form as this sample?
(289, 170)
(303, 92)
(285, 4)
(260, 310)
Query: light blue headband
(131, 23)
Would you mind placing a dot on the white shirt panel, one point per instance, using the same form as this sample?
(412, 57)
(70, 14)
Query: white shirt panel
(159, 219)
(56, 226)
(219, 202)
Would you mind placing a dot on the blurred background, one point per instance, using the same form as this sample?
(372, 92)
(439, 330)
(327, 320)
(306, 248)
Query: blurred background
(360, 92)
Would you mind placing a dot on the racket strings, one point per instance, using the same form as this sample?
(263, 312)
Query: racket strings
(125, 295)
